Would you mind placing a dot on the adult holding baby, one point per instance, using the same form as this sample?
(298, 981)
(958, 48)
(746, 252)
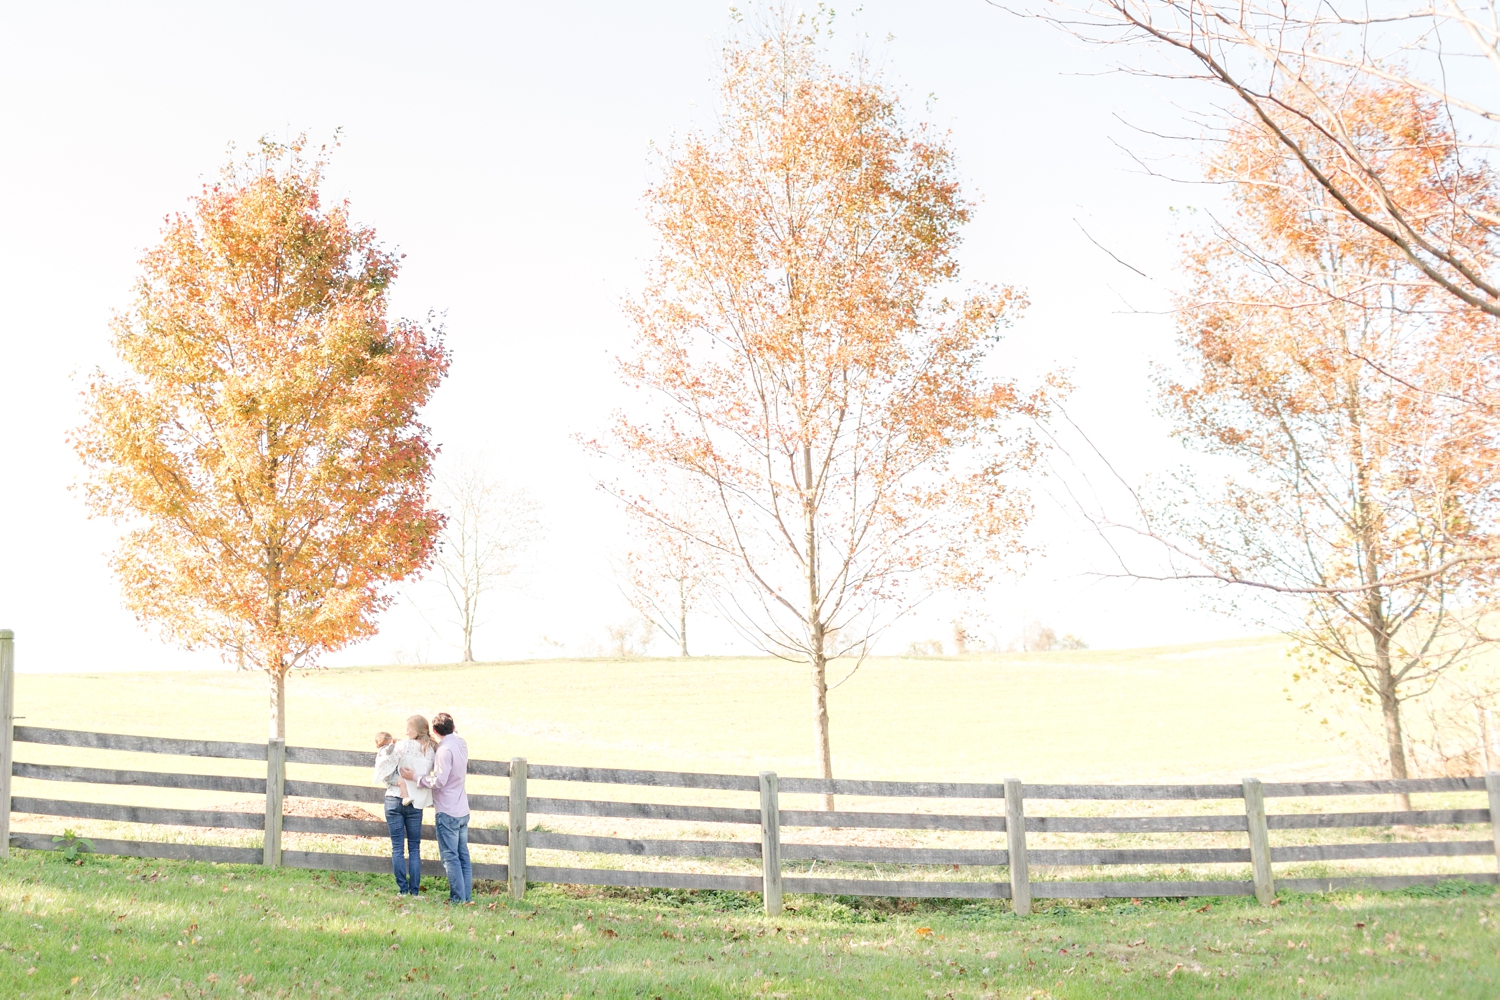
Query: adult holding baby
(405, 800)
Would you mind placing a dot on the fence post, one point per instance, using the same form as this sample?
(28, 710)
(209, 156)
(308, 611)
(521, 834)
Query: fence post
(770, 843)
(517, 832)
(275, 790)
(7, 715)
(1015, 845)
(1491, 785)
(1260, 841)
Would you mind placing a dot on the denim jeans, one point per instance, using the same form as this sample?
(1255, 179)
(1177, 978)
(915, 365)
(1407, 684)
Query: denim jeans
(453, 843)
(406, 845)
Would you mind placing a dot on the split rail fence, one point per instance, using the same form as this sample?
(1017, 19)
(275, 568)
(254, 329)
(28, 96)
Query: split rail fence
(1246, 815)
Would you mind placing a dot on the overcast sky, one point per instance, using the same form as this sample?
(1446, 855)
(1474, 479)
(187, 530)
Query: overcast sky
(504, 149)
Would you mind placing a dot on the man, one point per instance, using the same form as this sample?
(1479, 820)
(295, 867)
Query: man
(452, 805)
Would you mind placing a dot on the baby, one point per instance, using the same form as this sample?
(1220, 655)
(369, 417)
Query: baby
(391, 756)
(385, 747)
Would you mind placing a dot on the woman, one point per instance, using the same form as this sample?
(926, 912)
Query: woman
(405, 821)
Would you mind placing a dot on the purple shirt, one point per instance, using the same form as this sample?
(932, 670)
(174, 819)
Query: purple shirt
(447, 777)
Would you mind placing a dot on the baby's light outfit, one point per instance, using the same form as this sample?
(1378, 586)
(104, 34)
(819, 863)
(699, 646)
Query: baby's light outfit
(391, 758)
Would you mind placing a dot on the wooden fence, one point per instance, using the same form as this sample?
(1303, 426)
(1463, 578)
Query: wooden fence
(1245, 813)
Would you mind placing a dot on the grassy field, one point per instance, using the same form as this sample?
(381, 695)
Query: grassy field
(1212, 711)
(120, 928)
(117, 927)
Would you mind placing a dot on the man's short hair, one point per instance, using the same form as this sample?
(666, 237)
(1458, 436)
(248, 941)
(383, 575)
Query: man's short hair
(442, 724)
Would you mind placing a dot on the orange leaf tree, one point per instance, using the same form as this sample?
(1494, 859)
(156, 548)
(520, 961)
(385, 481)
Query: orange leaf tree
(815, 371)
(261, 447)
(1332, 376)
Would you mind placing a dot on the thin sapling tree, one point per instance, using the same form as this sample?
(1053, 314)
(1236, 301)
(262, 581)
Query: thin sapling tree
(809, 360)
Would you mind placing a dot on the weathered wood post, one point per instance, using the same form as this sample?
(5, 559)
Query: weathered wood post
(517, 832)
(275, 791)
(770, 843)
(1260, 841)
(1015, 845)
(7, 719)
(1491, 785)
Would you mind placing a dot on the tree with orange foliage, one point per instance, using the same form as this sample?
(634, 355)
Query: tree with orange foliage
(814, 372)
(1287, 64)
(1330, 374)
(262, 447)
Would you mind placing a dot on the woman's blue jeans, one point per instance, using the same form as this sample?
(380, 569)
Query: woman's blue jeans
(406, 844)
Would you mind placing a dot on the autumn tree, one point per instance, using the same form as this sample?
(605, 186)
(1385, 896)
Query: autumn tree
(261, 445)
(1311, 346)
(1284, 68)
(816, 369)
(489, 528)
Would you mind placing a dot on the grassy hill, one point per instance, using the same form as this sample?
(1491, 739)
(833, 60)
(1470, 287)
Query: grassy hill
(1208, 711)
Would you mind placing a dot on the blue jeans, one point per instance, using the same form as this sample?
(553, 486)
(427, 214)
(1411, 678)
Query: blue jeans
(406, 845)
(453, 843)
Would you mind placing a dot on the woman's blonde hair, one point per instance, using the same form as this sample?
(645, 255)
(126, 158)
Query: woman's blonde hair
(417, 726)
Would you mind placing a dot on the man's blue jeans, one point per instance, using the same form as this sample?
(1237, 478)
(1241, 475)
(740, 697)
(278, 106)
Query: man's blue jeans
(453, 842)
(406, 845)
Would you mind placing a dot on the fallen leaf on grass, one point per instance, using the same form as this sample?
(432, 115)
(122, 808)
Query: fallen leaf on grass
(924, 931)
(609, 932)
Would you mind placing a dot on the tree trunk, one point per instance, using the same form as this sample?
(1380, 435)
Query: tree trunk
(682, 649)
(820, 716)
(468, 647)
(278, 703)
(1390, 709)
(1486, 759)
(816, 657)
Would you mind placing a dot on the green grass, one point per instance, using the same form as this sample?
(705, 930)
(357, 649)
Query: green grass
(129, 928)
(126, 928)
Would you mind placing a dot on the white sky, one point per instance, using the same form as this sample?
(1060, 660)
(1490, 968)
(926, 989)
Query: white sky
(504, 149)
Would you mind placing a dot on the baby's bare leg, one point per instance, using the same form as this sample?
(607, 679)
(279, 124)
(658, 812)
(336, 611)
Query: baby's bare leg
(405, 793)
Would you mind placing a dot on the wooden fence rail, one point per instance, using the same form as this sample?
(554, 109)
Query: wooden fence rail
(771, 820)
(1014, 862)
